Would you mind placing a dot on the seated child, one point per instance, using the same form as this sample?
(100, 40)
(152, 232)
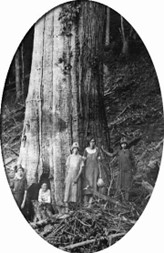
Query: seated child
(44, 194)
(44, 199)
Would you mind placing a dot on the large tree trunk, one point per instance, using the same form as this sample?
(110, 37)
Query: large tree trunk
(22, 72)
(91, 39)
(65, 97)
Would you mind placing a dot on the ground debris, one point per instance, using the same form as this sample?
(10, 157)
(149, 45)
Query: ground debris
(81, 228)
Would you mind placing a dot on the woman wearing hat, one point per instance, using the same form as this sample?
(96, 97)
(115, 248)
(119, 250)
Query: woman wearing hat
(74, 166)
(126, 166)
(20, 187)
(12, 176)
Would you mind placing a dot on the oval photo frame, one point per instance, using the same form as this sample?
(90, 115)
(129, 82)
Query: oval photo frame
(61, 125)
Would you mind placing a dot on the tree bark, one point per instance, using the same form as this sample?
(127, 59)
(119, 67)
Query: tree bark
(125, 40)
(92, 118)
(17, 75)
(22, 73)
(107, 39)
(65, 97)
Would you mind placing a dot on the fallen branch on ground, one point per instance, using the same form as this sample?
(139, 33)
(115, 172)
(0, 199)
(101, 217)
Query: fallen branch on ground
(147, 186)
(72, 246)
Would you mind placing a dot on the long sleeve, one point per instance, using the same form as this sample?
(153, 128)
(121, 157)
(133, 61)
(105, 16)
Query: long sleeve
(25, 184)
(67, 161)
(67, 166)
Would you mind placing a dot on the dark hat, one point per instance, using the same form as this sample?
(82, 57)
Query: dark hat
(123, 140)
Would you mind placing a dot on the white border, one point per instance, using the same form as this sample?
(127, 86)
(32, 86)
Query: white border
(16, 17)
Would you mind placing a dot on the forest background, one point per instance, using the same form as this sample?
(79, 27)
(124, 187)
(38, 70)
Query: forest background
(155, 34)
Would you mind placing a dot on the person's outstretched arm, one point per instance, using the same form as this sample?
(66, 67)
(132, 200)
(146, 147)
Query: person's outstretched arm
(108, 153)
(24, 199)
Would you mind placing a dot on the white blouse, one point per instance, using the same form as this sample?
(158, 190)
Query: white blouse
(91, 151)
(44, 197)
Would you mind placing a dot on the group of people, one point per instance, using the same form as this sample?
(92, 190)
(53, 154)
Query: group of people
(76, 166)
(87, 171)
(18, 185)
(84, 176)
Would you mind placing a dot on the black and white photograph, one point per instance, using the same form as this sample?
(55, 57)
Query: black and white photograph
(82, 127)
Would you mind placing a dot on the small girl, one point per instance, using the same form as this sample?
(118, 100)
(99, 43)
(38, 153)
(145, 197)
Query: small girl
(44, 199)
(74, 167)
(126, 168)
(44, 194)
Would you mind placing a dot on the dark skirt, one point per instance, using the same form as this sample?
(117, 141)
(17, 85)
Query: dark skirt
(124, 182)
(18, 197)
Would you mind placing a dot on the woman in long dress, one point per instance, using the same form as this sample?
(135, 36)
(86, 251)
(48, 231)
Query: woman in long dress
(12, 176)
(92, 171)
(126, 166)
(74, 167)
(20, 187)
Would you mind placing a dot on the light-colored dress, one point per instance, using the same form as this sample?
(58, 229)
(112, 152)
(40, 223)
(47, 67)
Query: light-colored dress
(91, 171)
(73, 191)
(44, 196)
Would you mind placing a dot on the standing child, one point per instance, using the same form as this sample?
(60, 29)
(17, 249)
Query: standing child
(74, 166)
(126, 168)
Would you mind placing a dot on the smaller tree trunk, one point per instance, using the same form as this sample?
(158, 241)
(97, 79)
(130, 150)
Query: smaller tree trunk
(17, 75)
(125, 41)
(107, 37)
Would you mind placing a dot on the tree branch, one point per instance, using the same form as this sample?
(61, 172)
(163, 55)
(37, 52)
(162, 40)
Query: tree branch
(79, 244)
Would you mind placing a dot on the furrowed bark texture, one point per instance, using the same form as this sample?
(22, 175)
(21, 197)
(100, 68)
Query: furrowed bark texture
(65, 97)
(17, 75)
(91, 34)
